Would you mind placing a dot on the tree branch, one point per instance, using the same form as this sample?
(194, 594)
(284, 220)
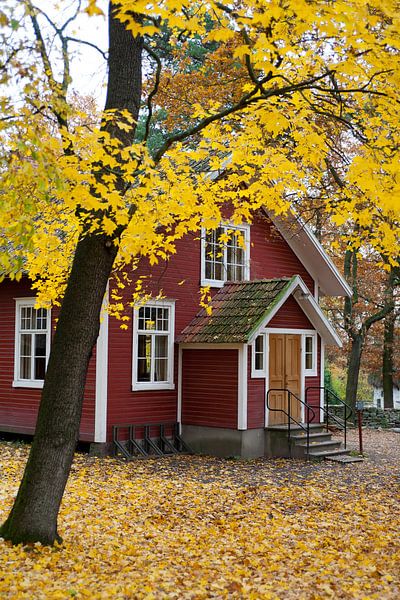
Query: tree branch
(86, 43)
(154, 91)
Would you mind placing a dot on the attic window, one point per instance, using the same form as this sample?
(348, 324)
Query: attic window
(225, 255)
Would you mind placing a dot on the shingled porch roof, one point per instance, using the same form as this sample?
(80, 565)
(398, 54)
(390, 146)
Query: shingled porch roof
(238, 308)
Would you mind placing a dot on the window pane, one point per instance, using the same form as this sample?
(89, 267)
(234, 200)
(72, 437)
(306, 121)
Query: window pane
(40, 356)
(162, 319)
(26, 317)
(25, 356)
(141, 318)
(239, 273)
(40, 367)
(309, 352)
(259, 353)
(309, 344)
(143, 369)
(218, 271)
(41, 318)
(161, 369)
(235, 258)
(40, 344)
(161, 346)
(214, 254)
(144, 357)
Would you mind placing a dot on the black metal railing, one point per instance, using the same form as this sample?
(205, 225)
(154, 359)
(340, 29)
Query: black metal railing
(288, 413)
(329, 415)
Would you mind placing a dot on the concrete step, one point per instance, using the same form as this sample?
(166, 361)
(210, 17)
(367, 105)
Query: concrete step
(299, 438)
(344, 459)
(314, 427)
(325, 454)
(327, 446)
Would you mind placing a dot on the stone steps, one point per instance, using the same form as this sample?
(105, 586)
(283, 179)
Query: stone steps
(321, 445)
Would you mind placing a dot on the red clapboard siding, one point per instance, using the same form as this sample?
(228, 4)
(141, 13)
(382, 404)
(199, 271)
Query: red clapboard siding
(271, 256)
(19, 406)
(313, 396)
(290, 316)
(179, 279)
(210, 388)
(255, 398)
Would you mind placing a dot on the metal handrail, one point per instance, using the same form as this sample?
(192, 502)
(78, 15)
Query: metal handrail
(325, 410)
(291, 418)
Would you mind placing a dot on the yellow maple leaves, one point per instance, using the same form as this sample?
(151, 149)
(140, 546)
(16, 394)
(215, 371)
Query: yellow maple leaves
(308, 73)
(194, 527)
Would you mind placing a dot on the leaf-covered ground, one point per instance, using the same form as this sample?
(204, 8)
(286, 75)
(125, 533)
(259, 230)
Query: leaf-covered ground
(194, 527)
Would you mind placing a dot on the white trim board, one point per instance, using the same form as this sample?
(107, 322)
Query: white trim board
(311, 309)
(242, 387)
(100, 419)
(311, 254)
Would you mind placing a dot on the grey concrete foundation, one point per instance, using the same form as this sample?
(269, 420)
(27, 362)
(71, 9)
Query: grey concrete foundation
(101, 449)
(218, 441)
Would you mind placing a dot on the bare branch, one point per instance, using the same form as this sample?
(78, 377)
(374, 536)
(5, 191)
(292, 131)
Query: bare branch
(77, 41)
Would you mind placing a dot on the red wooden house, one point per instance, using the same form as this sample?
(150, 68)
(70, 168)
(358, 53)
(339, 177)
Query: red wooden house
(211, 374)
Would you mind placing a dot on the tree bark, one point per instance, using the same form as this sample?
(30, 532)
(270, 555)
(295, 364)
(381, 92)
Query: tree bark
(388, 344)
(353, 370)
(33, 517)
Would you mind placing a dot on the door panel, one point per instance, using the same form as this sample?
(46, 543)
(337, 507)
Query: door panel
(276, 377)
(284, 372)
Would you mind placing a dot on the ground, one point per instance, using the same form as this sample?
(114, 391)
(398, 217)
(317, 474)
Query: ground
(197, 527)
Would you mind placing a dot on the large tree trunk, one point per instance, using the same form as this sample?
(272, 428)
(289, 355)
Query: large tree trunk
(34, 514)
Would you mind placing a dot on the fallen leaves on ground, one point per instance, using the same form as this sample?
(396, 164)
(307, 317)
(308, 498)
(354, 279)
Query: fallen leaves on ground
(196, 527)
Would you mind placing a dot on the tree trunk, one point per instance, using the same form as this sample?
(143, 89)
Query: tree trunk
(387, 361)
(34, 514)
(388, 344)
(353, 370)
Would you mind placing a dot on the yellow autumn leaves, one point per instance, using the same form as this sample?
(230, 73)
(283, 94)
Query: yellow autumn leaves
(318, 81)
(197, 528)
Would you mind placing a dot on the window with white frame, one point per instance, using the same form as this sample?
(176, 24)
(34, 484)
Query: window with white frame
(258, 363)
(310, 354)
(32, 343)
(225, 254)
(153, 346)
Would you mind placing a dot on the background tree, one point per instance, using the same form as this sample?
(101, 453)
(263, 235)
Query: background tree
(109, 200)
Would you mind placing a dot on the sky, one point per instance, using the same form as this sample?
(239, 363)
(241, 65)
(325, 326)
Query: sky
(88, 67)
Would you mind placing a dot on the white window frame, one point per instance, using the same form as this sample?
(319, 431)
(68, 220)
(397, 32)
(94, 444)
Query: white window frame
(154, 385)
(313, 371)
(18, 381)
(245, 230)
(259, 373)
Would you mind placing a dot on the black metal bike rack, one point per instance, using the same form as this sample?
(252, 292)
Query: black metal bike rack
(149, 439)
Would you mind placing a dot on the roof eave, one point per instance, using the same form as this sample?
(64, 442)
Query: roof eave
(313, 256)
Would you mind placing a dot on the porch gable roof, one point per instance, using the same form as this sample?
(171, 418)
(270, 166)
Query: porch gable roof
(238, 309)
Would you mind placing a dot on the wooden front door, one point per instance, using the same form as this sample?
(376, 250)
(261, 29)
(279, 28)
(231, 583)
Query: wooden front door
(284, 373)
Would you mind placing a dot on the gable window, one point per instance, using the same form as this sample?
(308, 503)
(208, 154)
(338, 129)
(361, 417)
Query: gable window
(153, 346)
(225, 255)
(310, 354)
(32, 343)
(258, 362)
